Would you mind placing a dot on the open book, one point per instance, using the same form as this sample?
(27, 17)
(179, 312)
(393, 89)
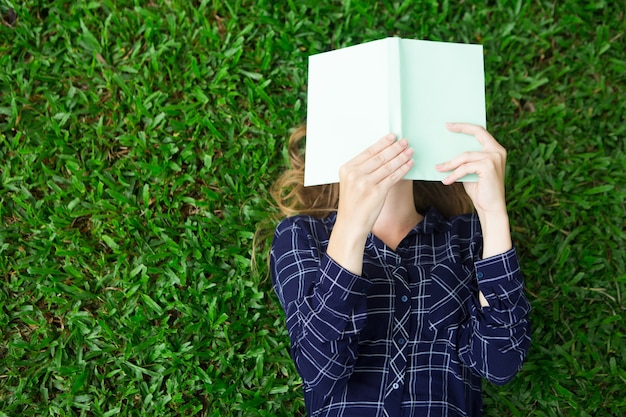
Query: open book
(407, 87)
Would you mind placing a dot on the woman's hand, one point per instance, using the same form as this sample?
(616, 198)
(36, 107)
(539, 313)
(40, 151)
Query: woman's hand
(487, 193)
(363, 186)
(365, 180)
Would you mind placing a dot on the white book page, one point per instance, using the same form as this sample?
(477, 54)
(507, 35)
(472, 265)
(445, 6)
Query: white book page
(347, 107)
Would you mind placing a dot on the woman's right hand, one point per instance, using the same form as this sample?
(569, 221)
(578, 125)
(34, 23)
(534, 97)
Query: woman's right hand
(363, 186)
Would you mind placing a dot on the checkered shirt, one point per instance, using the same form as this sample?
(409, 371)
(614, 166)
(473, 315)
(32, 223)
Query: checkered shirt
(408, 337)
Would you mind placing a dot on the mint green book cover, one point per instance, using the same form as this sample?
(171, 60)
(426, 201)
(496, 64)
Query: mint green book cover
(408, 87)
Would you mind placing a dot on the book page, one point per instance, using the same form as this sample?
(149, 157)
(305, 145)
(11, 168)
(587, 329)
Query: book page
(347, 107)
(441, 82)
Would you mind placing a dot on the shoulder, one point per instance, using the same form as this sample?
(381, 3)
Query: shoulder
(303, 232)
(305, 226)
(299, 245)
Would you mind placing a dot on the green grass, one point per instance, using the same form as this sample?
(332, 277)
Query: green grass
(137, 144)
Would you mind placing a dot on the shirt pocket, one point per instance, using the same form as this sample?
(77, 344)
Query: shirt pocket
(449, 295)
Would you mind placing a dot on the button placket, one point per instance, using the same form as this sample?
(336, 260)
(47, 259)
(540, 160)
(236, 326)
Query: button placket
(401, 328)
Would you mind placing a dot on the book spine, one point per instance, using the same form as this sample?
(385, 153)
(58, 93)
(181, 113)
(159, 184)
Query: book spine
(395, 92)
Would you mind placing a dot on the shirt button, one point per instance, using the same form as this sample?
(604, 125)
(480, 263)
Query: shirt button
(396, 386)
(401, 341)
(404, 298)
(479, 275)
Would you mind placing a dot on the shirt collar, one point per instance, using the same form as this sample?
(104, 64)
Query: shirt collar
(433, 222)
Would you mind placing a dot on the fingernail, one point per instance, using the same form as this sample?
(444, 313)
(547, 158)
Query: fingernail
(390, 137)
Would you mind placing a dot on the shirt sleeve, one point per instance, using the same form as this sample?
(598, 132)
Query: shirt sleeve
(495, 340)
(325, 306)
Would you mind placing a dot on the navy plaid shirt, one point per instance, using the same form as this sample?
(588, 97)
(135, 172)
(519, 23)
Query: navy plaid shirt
(408, 337)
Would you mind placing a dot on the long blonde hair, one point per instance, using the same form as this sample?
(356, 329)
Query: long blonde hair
(292, 197)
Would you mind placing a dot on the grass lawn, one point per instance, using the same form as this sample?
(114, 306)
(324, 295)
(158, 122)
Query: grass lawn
(138, 140)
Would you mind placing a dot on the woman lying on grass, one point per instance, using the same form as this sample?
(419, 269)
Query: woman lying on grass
(400, 295)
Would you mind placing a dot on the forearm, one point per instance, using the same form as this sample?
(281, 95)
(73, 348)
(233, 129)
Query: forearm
(497, 338)
(495, 353)
(325, 325)
(496, 232)
(346, 247)
(324, 366)
(496, 238)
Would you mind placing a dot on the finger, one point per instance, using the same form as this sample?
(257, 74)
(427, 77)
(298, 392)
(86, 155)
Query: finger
(384, 156)
(379, 166)
(398, 162)
(484, 168)
(461, 171)
(457, 161)
(397, 174)
(374, 172)
(374, 149)
(479, 132)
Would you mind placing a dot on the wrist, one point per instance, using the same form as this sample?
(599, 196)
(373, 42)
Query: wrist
(493, 218)
(496, 231)
(346, 246)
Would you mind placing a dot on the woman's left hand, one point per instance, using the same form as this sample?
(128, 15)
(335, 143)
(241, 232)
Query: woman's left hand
(489, 165)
